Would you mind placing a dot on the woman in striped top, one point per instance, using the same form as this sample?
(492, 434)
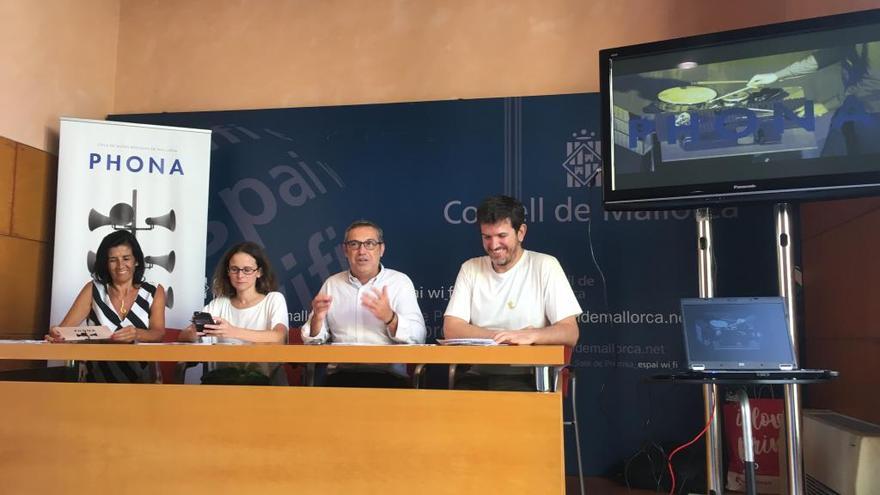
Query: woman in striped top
(120, 299)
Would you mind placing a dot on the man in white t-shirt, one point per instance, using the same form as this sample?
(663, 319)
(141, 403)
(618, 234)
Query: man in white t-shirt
(512, 295)
(366, 304)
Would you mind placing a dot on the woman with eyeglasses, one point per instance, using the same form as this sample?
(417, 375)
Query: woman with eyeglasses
(246, 305)
(120, 299)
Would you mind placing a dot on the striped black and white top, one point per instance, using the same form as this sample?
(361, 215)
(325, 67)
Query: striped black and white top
(103, 313)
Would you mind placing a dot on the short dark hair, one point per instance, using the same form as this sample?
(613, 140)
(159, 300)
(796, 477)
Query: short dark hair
(220, 285)
(495, 209)
(101, 273)
(365, 223)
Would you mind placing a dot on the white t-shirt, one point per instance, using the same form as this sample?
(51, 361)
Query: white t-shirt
(262, 316)
(533, 293)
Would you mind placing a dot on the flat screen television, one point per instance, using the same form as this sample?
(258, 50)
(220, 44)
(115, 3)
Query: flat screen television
(780, 112)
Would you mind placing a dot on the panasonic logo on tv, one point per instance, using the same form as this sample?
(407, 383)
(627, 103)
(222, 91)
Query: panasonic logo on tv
(737, 187)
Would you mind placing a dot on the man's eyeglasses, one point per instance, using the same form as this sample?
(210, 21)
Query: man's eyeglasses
(247, 271)
(370, 244)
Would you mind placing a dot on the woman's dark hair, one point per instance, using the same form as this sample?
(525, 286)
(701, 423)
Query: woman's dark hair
(101, 272)
(220, 285)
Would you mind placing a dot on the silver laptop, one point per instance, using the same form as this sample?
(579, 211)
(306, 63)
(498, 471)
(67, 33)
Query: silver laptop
(740, 338)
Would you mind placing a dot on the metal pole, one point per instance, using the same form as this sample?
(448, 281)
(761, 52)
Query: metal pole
(748, 445)
(706, 267)
(785, 272)
(134, 209)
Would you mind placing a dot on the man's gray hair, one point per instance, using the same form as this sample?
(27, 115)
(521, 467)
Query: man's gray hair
(365, 223)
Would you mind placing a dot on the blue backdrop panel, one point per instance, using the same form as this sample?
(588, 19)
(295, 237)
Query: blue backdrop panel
(293, 179)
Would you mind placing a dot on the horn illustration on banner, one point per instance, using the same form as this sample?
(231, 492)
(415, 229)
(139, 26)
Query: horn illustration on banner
(167, 220)
(165, 261)
(121, 214)
(90, 261)
(169, 297)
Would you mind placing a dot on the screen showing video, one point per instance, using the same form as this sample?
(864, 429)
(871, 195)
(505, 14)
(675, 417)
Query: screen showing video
(798, 105)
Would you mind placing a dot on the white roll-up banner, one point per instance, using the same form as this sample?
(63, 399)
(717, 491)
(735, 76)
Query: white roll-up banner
(150, 180)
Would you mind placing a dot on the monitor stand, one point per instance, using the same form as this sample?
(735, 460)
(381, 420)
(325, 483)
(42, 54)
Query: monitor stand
(706, 270)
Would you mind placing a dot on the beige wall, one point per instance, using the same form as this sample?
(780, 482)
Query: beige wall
(60, 56)
(223, 54)
(57, 58)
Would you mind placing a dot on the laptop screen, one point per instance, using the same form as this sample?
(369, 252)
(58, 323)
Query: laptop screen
(747, 333)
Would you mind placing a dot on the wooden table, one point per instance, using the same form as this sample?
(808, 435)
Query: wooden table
(139, 438)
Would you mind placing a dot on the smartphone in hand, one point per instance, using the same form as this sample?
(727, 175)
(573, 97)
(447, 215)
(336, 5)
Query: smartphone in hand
(200, 319)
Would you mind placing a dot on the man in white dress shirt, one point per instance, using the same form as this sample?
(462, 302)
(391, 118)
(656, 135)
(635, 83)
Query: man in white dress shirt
(512, 295)
(367, 304)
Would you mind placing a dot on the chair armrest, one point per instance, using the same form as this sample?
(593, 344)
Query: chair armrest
(454, 369)
(417, 374)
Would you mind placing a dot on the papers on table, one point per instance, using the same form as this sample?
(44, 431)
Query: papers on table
(10, 341)
(466, 342)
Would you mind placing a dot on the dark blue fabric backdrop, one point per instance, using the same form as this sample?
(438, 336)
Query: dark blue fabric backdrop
(293, 179)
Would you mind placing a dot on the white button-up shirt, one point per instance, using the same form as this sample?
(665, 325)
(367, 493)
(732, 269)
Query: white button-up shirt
(348, 321)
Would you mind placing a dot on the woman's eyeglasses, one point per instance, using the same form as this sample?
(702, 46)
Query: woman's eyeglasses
(247, 271)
